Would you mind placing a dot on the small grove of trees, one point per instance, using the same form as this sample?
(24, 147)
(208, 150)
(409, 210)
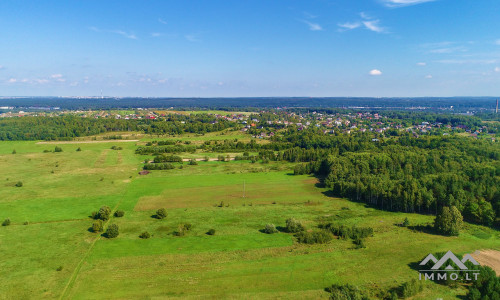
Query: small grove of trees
(487, 285)
(58, 149)
(357, 234)
(314, 237)
(449, 221)
(159, 166)
(103, 214)
(112, 231)
(161, 213)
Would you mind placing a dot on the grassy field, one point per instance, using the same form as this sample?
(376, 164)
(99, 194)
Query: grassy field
(55, 255)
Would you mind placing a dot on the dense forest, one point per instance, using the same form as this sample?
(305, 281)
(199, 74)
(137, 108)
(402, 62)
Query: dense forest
(69, 127)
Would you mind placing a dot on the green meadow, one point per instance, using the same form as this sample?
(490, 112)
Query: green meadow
(48, 252)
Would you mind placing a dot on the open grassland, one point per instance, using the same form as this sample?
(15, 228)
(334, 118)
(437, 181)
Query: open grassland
(60, 190)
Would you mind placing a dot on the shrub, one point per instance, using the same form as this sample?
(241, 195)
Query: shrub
(93, 215)
(187, 226)
(341, 292)
(104, 213)
(293, 225)
(112, 231)
(181, 231)
(59, 269)
(119, 213)
(211, 232)
(159, 166)
(26, 223)
(97, 226)
(58, 149)
(360, 243)
(14, 151)
(270, 229)
(19, 184)
(6, 222)
(411, 288)
(405, 223)
(221, 158)
(161, 213)
(116, 148)
(78, 149)
(145, 235)
(193, 162)
(314, 237)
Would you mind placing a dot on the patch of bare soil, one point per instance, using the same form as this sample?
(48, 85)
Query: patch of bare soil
(490, 258)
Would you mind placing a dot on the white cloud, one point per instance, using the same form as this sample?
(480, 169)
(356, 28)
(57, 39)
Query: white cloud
(2, 67)
(156, 34)
(365, 15)
(309, 15)
(401, 3)
(41, 81)
(428, 77)
(375, 72)
(348, 26)
(373, 26)
(497, 42)
(313, 26)
(497, 69)
(120, 32)
(55, 76)
(192, 38)
(12, 80)
(162, 21)
(421, 64)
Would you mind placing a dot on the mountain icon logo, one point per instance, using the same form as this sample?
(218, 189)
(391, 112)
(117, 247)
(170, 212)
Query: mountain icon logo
(449, 256)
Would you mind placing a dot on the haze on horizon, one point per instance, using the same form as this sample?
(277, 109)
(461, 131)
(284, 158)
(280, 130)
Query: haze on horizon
(370, 48)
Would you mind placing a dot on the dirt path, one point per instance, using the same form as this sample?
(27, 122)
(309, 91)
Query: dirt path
(87, 142)
(490, 258)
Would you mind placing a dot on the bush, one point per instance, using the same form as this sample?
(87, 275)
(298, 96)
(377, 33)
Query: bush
(193, 162)
(104, 213)
(14, 151)
(78, 149)
(411, 288)
(26, 223)
(161, 213)
(360, 243)
(59, 269)
(145, 235)
(293, 226)
(19, 184)
(270, 229)
(93, 215)
(58, 149)
(97, 226)
(6, 222)
(119, 213)
(159, 166)
(112, 231)
(116, 148)
(181, 231)
(344, 292)
(314, 237)
(211, 232)
(405, 223)
(187, 226)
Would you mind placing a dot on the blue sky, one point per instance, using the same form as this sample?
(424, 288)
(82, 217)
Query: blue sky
(201, 48)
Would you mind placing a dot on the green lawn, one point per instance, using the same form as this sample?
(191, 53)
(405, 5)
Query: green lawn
(60, 190)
